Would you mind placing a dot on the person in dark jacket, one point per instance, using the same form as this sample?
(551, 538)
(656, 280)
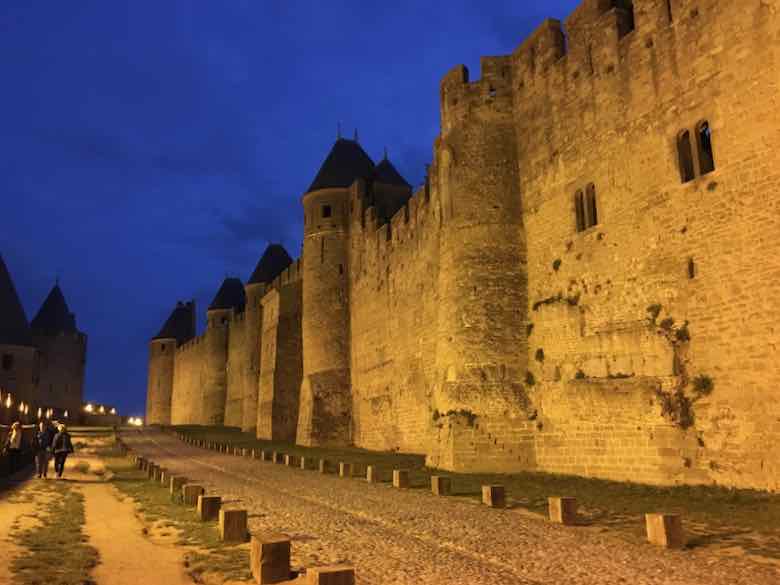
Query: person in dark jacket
(42, 440)
(13, 447)
(61, 446)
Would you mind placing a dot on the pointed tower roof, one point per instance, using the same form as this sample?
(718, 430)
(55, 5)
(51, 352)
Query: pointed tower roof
(229, 296)
(274, 260)
(386, 173)
(346, 162)
(180, 324)
(54, 315)
(14, 329)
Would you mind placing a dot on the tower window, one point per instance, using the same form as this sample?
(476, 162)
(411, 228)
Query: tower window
(704, 139)
(579, 210)
(685, 156)
(591, 213)
(8, 361)
(162, 348)
(326, 211)
(669, 13)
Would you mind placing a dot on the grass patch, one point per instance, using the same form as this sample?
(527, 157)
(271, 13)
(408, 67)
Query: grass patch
(154, 501)
(57, 552)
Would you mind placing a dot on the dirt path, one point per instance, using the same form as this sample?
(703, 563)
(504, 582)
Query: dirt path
(126, 556)
(411, 537)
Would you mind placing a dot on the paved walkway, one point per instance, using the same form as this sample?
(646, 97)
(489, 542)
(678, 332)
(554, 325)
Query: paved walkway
(410, 537)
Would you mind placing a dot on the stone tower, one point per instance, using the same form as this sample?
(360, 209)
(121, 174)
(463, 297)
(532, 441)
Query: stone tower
(229, 301)
(325, 397)
(177, 329)
(480, 355)
(273, 262)
(63, 353)
(18, 355)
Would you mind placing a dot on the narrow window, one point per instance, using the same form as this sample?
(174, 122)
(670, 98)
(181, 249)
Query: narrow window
(685, 156)
(704, 138)
(326, 211)
(669, 11)
(341, 269)
(579, 210)
(691, 268)
(8, 361)
(162, 348)
(492, 91)
(591, 214)
(322, 251)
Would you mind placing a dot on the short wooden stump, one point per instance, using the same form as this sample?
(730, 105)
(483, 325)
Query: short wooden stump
(290, 460)
(400, 478)
(190, 493)
(233, 525)
(208, 507)
(494, 496)
(150, 467)
(563, 510)
(441, 486)
(323, 466)
(305, 463)
(665, 530)
(162, 474)
(345, 469)
(176, 483)
(333, 575)
(277, 457)
(264, 456)
(269, 558)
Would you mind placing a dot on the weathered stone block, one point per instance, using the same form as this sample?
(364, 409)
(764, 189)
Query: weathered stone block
(233, 525)
(270, 558)
(494, 496)
(208, 507)
(665, 530)
(333, 575)
(563, 510)
(400, 478)
(345, 469)
(190, 493)
(441, 486)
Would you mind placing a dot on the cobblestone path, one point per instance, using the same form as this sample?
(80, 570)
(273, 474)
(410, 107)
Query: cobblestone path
(411, 537)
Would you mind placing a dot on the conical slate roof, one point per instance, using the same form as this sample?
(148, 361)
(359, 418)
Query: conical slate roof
(54, 315)
(14, 329)
(346, 162)
(275, 259)
(230, 296)
(386, 173)
(180, 325)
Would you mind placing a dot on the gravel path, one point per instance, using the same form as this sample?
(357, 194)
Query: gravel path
(412, 537)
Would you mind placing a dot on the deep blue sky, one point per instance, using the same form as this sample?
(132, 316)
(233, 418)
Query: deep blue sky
(149, 148)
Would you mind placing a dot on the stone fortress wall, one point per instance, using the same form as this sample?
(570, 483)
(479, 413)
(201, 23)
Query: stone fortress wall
(584, 285)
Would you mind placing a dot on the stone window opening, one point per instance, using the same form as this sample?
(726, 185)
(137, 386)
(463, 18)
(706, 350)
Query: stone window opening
(691, 268)
(8, 361)
(704, 142)
(669, 14)
(322, 251)
(162, 348)
(579, 210)
(492, 91)
(326, 211)
(685, 156)
(591, 212)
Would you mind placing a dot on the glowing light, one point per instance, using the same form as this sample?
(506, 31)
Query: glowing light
(26, 409)
(113, 411)
(21, 407)
(66, 414)
(102, 410)
(89, 408)
(8, 401)
(48, 413)
(40, 413)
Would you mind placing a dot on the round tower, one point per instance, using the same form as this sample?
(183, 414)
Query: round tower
(481, 353)
(325, 398)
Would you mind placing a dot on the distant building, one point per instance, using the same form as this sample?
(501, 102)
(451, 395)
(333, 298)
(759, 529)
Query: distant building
(42, 363)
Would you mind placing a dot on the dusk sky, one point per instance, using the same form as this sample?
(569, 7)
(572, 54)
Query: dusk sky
(150, 148)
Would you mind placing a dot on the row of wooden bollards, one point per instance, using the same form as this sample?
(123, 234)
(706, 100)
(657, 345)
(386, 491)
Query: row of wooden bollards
(662, 529)
(269, 553)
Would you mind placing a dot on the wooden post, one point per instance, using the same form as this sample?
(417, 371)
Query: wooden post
(372, 474)
(323, 466)
(208, 507)
(333, 575)
(270, 558)
(441, 486)
(400, 478)
(665, 530)
(563, 510)
(493, 496)
(233, 525)
(190, 493)
(345, 469)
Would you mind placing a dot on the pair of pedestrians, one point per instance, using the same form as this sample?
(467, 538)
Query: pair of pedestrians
(46, 443)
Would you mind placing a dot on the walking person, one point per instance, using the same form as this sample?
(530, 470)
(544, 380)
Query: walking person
(61, 446)
(42, 441)
(13, 447)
